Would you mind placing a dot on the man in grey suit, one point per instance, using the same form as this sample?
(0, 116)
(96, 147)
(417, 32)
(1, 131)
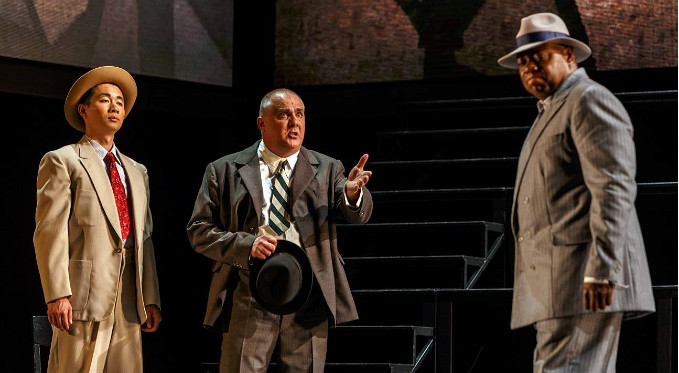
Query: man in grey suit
(580, 260)
(235, 219)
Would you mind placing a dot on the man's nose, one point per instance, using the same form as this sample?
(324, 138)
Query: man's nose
(531, 65)
(113, 108)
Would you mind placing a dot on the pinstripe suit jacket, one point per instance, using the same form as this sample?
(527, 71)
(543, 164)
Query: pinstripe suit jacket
(573, 211)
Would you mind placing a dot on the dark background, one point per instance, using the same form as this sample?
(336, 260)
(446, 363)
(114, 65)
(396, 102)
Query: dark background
(176, 128)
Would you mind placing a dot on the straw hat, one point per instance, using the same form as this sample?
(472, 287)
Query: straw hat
(103, 74)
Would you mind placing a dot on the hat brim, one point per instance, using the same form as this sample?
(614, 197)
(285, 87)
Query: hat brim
(298, 301)
(582, 51)
(103, 74)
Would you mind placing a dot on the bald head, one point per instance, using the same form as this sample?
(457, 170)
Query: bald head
(280, 92)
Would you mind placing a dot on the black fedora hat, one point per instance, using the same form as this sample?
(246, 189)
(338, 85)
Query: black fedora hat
(282, 283)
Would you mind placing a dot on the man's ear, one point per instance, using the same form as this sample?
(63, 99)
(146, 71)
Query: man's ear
(569, 53)
(82, 110)
(260, 124)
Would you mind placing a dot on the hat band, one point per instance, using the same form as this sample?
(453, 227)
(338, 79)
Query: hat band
(538, 36)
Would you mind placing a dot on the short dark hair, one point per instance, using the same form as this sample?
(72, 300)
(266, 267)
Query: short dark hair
(85, 99)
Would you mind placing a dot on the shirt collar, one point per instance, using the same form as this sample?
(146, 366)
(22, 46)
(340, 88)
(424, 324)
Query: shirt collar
(101, 151)
(544, 104)
(272, 160)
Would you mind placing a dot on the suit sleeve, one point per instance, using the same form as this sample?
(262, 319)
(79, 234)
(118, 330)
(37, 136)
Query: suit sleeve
(208, 235)
(50, 239)
(150, 287)
(603, 136)
(346, 213)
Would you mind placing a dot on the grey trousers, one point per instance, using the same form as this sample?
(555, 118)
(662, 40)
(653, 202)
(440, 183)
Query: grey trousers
(586, 343)
(254, 333)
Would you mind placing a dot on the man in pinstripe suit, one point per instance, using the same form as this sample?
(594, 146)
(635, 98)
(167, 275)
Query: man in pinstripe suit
(580, 260)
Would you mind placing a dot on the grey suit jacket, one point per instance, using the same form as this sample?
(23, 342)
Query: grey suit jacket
(227, 214)
(573, 211)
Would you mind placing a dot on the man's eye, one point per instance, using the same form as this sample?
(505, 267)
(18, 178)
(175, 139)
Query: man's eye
(299, 115)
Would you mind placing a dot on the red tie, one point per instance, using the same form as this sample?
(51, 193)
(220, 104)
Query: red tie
(119, 195)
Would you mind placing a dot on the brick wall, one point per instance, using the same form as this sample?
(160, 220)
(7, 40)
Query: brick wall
(344, 41)
(349, 41)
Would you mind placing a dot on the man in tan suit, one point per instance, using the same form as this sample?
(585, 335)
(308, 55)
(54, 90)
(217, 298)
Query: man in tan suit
(580, 259)
(233, 221)
(93, 235)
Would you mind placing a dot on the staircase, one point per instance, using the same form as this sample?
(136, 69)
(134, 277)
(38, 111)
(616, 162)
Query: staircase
(442, 194)
(431, 272)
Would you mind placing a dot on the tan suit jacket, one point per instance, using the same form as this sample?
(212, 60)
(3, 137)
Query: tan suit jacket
(227, 214)
(77, 237)
(573, 211)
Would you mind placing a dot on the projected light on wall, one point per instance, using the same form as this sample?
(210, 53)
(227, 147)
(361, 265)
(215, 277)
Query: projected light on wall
(178, 39)
(351, 41)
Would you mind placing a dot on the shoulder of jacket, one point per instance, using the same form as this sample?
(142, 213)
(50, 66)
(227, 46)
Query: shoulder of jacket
(322, 158)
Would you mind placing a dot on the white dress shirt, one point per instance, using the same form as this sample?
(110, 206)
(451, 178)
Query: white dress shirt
(101, 152)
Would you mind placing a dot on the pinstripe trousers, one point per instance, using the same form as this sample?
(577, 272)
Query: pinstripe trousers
(585, 343)
(254, 334)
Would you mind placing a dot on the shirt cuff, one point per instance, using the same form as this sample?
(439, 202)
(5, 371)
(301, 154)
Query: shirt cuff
(593, 280)
(358, 202)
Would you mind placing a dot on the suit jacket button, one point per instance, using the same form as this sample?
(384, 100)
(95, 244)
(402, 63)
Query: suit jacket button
(521, 239)
(118, 251)
(532, 267)
(525, 200)
(252, 230)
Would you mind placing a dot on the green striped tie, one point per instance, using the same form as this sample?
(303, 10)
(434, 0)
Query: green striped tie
(278, 213)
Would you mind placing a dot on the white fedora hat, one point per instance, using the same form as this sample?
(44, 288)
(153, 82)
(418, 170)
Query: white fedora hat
(542, 28)
(103, 74)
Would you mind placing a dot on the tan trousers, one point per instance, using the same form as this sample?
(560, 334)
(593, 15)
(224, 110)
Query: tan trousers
(109, 346)
(586, 343)
(301, 339)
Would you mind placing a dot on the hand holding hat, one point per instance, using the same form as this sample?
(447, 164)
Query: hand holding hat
(282, 282)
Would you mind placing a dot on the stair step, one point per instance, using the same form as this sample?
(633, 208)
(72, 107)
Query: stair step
(375, 344)
(358, 367)
(451, 143)
(329, 368)
(444, 173)
(419, 238)
(406, 306)
(489, 204)
(410, 272)
(428, 114)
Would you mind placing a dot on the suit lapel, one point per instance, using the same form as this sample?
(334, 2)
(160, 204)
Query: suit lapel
(304, 172)
(251, 177)
(100, 181)
(559, 98)
(137, 192)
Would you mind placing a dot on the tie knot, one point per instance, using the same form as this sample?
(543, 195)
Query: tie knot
(109, 158)
(281, 165)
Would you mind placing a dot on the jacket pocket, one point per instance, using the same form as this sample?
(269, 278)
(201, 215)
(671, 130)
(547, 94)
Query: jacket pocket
(79, 273)
(571, 237)
(86, 207)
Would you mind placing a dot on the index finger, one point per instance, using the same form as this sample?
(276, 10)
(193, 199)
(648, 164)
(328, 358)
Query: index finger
(362, 161)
